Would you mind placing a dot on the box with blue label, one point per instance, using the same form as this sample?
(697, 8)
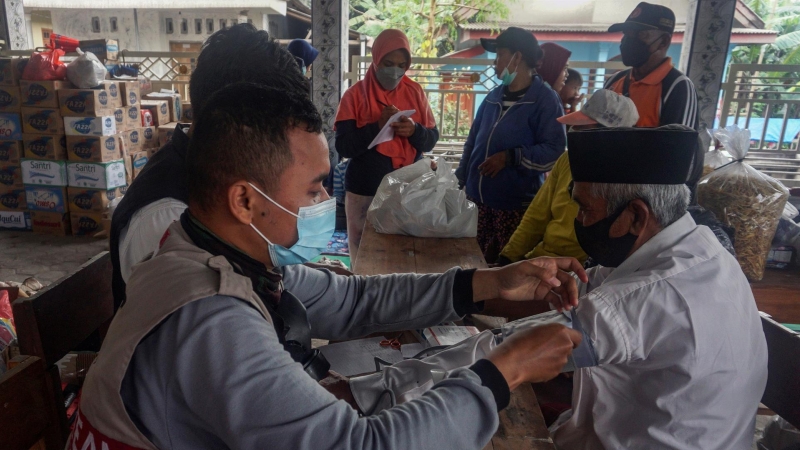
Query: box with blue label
(90, 126)
(108, 175)
(94, 148)
(12, 199)
(84, 102)
(138, 161)
(45, 146)
(91, 200)
(89, 224)
(173, 101)
(42, 121)
(44, 173)
(15, 220)
(10, 152)
(44, 198)
(10, 100)
(114, 93)
(42, 94)
(104, 49)
(131, 92)
(133, 118)
(149, 136)
(10, 176)
(10, 127)
(11, 70)
(187, 113)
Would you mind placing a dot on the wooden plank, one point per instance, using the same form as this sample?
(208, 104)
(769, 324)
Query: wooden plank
(778, 295)
(521, 424)
(441, 255)
(381, 254)
(27, 411)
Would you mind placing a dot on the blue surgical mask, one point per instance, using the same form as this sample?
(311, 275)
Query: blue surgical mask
(315, 226)
(507, 78)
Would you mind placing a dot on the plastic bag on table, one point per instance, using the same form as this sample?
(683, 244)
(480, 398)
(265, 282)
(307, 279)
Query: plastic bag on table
(746, 200)
(418, 201)
(788, 232)
(86, 71)
(45, 66)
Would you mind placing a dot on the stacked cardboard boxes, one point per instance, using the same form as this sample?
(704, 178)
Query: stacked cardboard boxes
(14, 212)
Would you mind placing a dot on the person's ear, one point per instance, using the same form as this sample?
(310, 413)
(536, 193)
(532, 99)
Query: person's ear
(666, 41)
(642, 216)
(242, 202)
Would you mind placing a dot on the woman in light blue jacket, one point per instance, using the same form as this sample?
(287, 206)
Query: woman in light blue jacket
(514, 140)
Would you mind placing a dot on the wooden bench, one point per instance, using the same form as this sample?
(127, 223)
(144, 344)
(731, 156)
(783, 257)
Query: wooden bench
(71, 313)
(782, 394)
(27, 413)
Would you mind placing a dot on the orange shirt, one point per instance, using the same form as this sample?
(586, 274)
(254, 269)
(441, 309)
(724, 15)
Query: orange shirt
(646, 94)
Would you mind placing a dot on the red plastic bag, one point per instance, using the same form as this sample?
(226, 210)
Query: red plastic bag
(7, 331)
(45, 66)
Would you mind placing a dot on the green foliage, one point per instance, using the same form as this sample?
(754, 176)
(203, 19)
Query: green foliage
(431, 25)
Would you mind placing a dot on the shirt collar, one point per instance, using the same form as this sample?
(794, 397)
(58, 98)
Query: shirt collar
(658, 75)
(647, 253)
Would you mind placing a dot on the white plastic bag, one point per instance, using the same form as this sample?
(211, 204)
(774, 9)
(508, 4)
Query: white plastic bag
(418, 201)
(86, 71)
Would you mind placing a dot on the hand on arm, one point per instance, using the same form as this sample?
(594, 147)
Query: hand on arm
(535, 279)
(493, 165)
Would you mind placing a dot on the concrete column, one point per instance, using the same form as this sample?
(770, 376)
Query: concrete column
(704, 52)
(13, 27)
(329, 34)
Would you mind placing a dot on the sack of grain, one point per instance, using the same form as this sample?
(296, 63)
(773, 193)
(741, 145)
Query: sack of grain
(744, 199)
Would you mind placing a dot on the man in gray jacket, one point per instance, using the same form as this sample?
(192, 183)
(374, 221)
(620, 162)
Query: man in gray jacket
(212, 348)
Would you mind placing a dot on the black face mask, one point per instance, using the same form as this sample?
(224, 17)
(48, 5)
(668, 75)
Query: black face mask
(635, 52)
(605, 250)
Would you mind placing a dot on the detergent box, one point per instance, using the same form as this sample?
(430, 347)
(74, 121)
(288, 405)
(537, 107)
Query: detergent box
(91, 200)
(15, 220)
(10, 152)
(106, 175)
(42, 121)
(44, 173)
(12, 199)
(94, 148)
(45, 198)
(42, 94)
(43, 146)
(90, 126)
(10, 175)
(10, 127)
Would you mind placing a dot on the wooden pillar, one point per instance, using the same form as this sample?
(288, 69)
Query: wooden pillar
(704, 53)
(329, 34)
(13, 28)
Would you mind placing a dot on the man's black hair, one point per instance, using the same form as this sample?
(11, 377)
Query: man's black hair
(573, 76)
(242, 53)
(242, 134)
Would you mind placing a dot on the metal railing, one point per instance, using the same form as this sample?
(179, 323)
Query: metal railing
(455, 87)
(766, 100)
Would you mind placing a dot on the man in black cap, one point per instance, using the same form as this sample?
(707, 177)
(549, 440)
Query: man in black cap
(662, 94)
(678, 356)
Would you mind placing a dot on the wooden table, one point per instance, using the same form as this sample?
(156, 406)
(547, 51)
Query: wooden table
(778, 294)
(522, 425)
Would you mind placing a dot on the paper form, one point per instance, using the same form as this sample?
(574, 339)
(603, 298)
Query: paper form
(387, 132)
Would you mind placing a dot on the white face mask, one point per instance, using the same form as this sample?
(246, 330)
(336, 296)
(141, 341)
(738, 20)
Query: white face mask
(315, 226)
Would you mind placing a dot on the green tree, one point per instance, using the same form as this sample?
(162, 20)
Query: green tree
(431, 25)
(782, 16)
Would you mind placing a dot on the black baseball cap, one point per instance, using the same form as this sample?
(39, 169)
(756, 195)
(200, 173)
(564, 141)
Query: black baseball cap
(516, 40)
(647, 16)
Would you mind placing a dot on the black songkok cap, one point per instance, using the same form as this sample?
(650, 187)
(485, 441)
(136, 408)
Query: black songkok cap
(632, 155)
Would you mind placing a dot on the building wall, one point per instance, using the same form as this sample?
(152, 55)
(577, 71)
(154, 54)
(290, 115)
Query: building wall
(152, 34)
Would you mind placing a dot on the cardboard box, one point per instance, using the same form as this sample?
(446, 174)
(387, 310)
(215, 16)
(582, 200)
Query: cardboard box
(138, 161)
(11, 176)
(42, 121)
(115, 98)
(149, 136)
(91, 200)
(13, 199)
(84, 102)
(54, 223)
(10, 152)
(165, 133)
(133, 117)
(134, 141)
(10, 100)
(119, 119)
(90, 126)
(94, 148)
(128, 169)
(11, 70)
(43, 146)
(159, 109)
(187, 114)
(89, 224)
(44, 173)
(42, 94)
(131, 92)
(15, 220)
(104, 49)
(10, 127)
(48, 199)
(174, 104)
(108, 175)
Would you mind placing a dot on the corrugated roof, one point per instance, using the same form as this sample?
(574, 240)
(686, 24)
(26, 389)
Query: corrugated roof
(578, 28)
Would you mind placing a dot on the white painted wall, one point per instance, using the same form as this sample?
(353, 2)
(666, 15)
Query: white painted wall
(152, 25)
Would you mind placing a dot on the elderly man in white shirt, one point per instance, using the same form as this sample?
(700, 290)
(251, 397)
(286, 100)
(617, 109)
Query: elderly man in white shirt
(675, 353)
